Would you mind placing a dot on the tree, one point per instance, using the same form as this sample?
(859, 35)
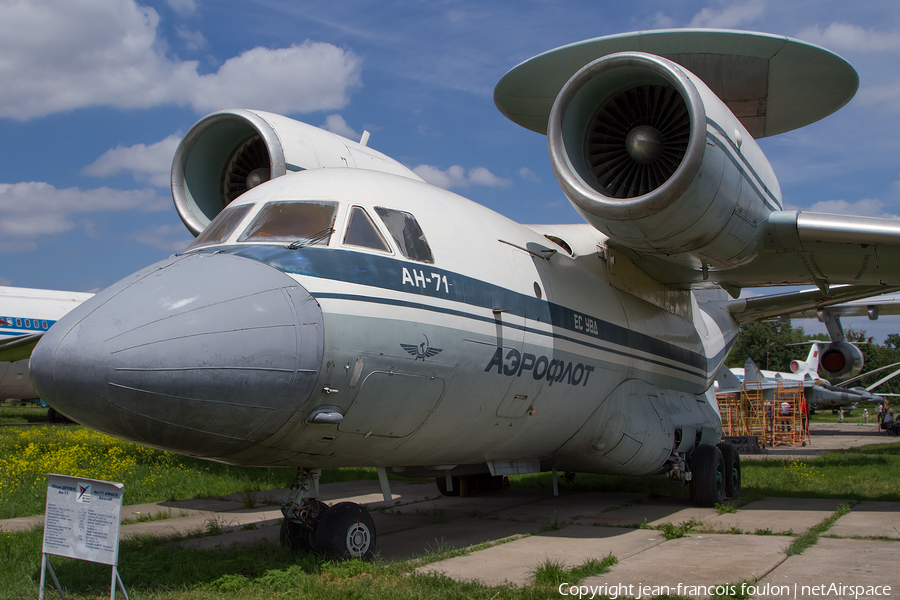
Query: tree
(767, 344)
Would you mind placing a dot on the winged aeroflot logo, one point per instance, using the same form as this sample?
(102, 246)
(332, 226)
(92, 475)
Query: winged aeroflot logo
(422, 351)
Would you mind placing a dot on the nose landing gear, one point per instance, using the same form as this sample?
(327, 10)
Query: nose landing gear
(345, 530)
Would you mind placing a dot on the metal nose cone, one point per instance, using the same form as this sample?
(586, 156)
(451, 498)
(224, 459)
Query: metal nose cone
(203, 354)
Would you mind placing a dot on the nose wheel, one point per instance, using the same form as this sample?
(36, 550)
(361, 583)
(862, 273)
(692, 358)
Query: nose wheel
(344, 531)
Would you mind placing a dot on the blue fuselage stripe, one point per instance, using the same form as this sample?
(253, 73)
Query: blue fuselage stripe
(746, 169)
(384, 272)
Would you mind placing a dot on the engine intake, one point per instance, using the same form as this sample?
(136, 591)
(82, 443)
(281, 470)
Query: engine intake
(231, 151)
(654, 159)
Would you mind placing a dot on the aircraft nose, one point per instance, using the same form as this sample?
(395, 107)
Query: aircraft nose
(202, 354)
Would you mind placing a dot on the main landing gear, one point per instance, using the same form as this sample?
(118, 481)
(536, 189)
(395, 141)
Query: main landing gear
(344, 530)
(715, 474)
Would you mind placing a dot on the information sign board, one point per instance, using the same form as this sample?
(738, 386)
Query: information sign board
(82, 519)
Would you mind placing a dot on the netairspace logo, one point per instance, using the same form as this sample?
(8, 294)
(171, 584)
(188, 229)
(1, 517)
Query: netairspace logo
(768, 590)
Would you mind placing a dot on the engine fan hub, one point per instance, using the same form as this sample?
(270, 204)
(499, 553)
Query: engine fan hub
(256, 177)
(644, 144)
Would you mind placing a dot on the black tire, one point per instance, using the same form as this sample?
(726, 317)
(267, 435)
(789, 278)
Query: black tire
(346, 531)
(442, 486)
(295, 537)
(707, 476)
(732, 461)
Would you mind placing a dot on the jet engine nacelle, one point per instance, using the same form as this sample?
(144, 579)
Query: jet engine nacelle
(649, 155)
(841, 359)
(231, 151)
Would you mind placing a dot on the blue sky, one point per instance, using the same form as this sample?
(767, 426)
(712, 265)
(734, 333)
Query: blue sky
(97, 93)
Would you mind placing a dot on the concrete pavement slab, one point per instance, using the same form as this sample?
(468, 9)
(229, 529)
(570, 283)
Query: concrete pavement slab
(698, 560)
(869, 519)
(515, 562)
(778, 515)
(673, 510)
(584, 507)
(459, 533)
(841, 562)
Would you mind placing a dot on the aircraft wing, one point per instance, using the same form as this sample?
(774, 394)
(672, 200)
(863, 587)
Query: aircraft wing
(18, 348)
(799, 248)
(807, 303)
(707, 210)
(886, 304)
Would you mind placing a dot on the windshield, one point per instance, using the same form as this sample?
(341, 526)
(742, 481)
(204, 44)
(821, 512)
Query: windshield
(300, 223)
(221, 227)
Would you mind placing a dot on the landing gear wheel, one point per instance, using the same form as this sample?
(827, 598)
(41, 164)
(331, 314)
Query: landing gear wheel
(346, 531)
(732, 461)
(296, 537)
(707, 476)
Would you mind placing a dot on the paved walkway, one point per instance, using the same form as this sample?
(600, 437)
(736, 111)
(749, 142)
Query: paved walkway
(522, 529)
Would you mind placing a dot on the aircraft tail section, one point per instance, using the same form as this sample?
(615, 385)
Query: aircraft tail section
(810, 365)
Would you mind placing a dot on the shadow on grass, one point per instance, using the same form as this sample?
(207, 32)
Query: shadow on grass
(159, 564)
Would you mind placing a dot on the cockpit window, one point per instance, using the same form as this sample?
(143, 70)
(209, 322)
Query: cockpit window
(221, 227)
(300, 223)
(406, 232)
(361, 231)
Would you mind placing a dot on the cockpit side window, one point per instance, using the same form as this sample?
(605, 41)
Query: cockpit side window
(406, 232)
(302, 223)
(221, 227)
(361, 231)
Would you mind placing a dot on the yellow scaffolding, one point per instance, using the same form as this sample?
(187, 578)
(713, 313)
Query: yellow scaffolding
(788, 426)
(747, 413)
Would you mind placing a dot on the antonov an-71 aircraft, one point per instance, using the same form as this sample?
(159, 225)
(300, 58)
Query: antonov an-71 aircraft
(335, 310)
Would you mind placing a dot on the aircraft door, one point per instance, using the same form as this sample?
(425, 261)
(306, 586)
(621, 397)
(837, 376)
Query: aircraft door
(532, 362)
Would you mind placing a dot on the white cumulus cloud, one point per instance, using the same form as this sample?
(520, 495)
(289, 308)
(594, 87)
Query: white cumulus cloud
(337, 124)
(846, 36)
(867, 207)
(31, 209)
(456, 177)
(729, 17)
(60, 55)
(171, 238)
(183, 7)
(147, 163)
(528, 175)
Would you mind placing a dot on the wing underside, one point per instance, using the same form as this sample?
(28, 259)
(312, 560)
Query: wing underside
(799, 248)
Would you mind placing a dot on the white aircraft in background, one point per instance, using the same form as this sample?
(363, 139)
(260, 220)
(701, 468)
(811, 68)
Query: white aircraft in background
(335, 310)
(799, 368)
(25, 314)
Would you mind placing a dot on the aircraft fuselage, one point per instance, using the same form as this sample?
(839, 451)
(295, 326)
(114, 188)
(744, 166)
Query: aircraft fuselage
(500, 348)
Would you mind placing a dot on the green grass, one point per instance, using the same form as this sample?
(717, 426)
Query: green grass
(162, 569)
(157, 568)
(863, 473)
(552, 573)
(811, 536)
(19, 412)
(28, 453)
